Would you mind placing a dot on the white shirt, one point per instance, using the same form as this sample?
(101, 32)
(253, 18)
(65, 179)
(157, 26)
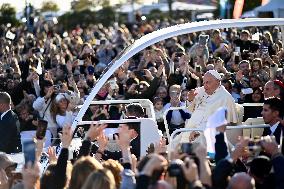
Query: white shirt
(273, 128)
(4, 113)
(63, 120)
(176, 116)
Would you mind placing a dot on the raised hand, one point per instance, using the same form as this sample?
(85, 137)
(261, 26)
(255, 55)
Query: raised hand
(239, 76)
(95, 131)
(148, 74)
(31, 174)
(240, 148)
(191, 95)
(190, 170)
(51, 155)
(102, 141)
(160, 147)
(269, 145)
(160, 70)
(156, 162)
(66, 136)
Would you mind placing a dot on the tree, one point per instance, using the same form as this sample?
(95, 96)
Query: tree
(83, 18)
(8, 14)
(81, 5)
(49, 6)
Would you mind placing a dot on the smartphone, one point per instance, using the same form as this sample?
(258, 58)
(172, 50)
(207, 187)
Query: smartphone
(10, 35)
(247, 91)
(29, 148)
(264, 50)
(113, 84)
(238, 49)
(80, 62)
(237, 59)
(41, 129)
(188, 148)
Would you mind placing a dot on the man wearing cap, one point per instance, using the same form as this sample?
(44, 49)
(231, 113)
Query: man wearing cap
(208, 99)
(274, 88)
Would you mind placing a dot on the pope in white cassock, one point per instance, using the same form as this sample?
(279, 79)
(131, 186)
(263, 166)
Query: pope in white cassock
(209, 98)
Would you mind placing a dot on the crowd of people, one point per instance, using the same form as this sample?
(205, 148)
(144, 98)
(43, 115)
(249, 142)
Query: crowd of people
(46, 74)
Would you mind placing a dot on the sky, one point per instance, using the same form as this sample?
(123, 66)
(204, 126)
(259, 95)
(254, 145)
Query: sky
(64, 5)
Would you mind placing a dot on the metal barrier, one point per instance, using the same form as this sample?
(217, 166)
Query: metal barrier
(200, 130)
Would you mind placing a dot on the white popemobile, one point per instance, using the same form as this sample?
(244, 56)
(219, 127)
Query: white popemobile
(149, 124)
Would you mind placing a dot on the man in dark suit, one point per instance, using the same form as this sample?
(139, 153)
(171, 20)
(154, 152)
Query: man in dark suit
(9, 137)
(272, 112)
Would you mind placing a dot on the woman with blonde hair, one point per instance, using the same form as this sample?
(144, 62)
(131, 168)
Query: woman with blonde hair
(60, 110)
(116, 168)
(100, 179)
(82, 168)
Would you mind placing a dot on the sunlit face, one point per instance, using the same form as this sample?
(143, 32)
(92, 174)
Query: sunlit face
(122, 128)
(62, 104)
(256, 96)
(254, 83)
(184, 95)
(175, 94)
(269, 90)
(245, 68)
(268, 114)
(94, 108)
(210, 83)
(159, 105)
(255, 66)
(244, 37)
(162, 93)
(24, 114)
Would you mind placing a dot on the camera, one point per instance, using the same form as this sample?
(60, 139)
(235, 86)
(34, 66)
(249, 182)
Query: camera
(175, 169)
(57, 88)
(254, 146)
(187, 148)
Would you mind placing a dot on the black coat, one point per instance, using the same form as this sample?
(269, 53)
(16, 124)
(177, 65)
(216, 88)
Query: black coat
(277, 132)
(10, 139)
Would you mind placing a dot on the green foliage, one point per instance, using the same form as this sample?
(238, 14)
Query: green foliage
(106, 16)
(156, 14)
(49, 6)
(71, 19)
(8, 14)
(81, 5)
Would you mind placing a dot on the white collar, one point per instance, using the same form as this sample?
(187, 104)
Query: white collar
(4, 113)
(274, 127)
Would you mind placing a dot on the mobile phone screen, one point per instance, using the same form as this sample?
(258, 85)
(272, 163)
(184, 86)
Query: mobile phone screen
(41, 129)
(29, 151)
